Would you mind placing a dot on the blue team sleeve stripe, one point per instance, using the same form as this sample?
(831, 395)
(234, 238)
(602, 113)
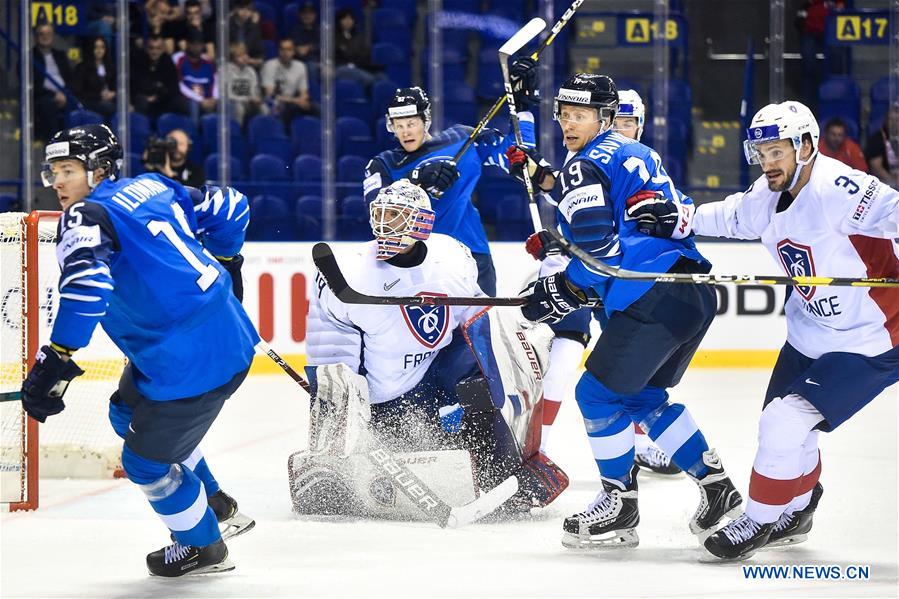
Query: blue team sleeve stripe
(88, 272)
(80, 298)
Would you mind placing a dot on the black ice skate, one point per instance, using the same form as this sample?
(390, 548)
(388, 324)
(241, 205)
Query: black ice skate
(610, 521)
(739, 539)
(793, 529)
(717, 497)
(231, 522)
(180, 560)
(656, 461)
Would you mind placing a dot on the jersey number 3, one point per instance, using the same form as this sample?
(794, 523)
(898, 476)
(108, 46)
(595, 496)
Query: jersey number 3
(208, 272)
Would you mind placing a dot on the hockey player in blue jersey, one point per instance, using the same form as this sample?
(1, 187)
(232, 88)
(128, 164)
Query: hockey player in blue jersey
(137, 258)
(653, 329)
(427, 161)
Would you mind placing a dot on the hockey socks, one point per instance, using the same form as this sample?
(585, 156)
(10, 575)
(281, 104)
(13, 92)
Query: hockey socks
(197, 462)
(673, 429)
(177, 495)
(609, 430)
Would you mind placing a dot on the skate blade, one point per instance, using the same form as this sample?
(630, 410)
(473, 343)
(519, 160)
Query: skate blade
(707, 557)
(235, 526)
(225, 566)
(619, 539)
(703, 533)
(787, 541)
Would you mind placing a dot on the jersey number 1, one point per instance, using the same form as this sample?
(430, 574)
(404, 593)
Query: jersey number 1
(208, 272)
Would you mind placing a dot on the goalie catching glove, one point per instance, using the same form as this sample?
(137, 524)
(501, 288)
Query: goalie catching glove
(660, 216)
(551, 298)
(47, 382)
(539, 169)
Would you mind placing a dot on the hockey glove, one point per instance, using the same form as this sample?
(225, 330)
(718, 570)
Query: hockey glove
(525, 84)
(47, 382)
(660, 216)
(233, 265)
(539, 170)
(435, 177)
(551, 299)
(541, 244)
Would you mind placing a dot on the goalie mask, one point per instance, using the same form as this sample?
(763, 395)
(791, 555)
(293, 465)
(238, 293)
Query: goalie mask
(590, 91)
(630, 105)
(94, 146)
(400, 216)
(787, 120)
(407, 102)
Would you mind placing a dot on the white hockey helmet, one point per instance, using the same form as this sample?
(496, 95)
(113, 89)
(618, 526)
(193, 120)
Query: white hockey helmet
(787, 120)
(400, 216)
(630, 105)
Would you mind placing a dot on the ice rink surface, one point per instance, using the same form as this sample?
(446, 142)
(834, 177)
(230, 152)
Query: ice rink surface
(90, 538)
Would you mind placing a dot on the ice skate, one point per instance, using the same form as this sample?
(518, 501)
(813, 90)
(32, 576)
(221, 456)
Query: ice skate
(739, 539)
(610, 521)
(232, 522)
(180, 560)
(717, 497)
(655, 461)
(793, 529)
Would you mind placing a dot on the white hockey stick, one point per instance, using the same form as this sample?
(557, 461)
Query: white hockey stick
(411, 485)
(515, 43)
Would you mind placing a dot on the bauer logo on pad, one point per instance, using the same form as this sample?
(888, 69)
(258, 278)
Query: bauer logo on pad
(798, 262)
(428, 323)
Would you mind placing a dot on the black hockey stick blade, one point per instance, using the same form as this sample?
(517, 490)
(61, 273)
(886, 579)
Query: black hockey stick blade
(11, 396)
(326, 263)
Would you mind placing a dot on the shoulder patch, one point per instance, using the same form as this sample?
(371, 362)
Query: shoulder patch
(588, 196)
(75, 238)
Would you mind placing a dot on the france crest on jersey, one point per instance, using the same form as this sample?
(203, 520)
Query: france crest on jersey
(428, 323)
(798, 262)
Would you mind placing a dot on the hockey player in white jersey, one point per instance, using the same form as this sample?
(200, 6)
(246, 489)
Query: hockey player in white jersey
(572, 334)
(817, 217)
(408, 372)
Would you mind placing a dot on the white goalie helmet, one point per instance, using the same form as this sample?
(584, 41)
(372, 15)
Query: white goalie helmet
(630, 105)
(787, 120)
(399, 216)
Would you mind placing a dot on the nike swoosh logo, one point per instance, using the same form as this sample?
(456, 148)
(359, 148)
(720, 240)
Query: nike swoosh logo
(130, 428)
(390, 286)
(811, 382)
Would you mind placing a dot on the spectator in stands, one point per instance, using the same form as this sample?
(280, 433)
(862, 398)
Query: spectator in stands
(244, 28)
(836, 144)
(306, 33)
(101, 20)
(285, 82)
(174, 162)
(154, 84)
(159, 13)
(811, 20)
(196, 77)
(51, 74)
(95, 78)
(352, 52)
(193, 19)
(882, 153)
(245, 97)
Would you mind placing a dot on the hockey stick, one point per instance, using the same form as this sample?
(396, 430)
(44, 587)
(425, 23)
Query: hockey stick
(506, 51)
(713, 279)
(563, 20)
(411, 485)
(11, 396)
(327, 265)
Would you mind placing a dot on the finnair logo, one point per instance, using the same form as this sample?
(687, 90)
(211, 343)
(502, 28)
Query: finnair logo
(57, 150)
(573, 95)
(402, 111)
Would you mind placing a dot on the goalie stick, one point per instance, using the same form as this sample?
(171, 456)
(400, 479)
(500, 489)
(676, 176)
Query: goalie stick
(557, 27)
(713, 279)
(11, 396)
(327, 265)
(411, 485)
(506, 51)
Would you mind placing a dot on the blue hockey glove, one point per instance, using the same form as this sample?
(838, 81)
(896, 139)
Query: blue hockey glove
(233, 265)
(451, 417)
(551, 298)
(435, 177)
(659, 216)
(47, 382)
(525, 83)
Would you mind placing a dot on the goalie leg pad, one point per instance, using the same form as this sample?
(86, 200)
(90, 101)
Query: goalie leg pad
(540, 481)
(340, 411)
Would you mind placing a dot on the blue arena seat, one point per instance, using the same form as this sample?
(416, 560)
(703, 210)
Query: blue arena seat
(289, 18)
(172, 120)
(307, 175)
(353, 224)
(389, 25)
(839, 96)
(9, 202)
(385, 140)
(211, 166)
(83, 117)
(276, 145)
(396, 62)
(354, 137)
(306, 135)
(350, 172)
(263, 125)
(270, 219)
(308, 217)
(880, 104)
(268, 174)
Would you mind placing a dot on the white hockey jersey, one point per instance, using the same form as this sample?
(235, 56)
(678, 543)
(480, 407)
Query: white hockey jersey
(843, 223)
(394, 344)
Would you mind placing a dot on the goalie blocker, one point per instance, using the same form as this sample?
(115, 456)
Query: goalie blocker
(491, 432)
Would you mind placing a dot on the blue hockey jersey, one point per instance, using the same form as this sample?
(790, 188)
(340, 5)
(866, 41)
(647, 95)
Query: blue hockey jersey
(137, 258)
(594, 186)
(456, 216)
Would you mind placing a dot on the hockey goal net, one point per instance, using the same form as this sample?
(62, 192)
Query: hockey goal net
(79, 442)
